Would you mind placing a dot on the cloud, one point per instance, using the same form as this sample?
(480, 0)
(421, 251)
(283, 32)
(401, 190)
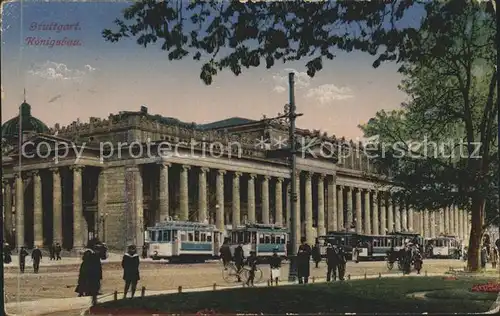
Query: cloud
(329, 92)
(57, 71)
(302, 80)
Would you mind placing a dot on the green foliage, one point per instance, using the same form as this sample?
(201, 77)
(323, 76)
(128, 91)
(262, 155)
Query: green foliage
(235, 35)
(386, 295)
(452, 98)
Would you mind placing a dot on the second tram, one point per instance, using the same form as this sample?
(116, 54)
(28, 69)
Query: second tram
(261, 238)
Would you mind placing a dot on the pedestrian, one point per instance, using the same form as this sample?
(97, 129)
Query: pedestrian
(493, 256)
(316, 254)
(342, 261)
(52, 252)
(225, 253)
(252, 264)
(145, 250)
(484, 256)
(90, 274)
(332, 262)
(130, 265)
(239, 260)
(58, 250)
(36, 256)
(418, 261)
(303, 261)
(7, 254)
(23, 253)
(275, 265)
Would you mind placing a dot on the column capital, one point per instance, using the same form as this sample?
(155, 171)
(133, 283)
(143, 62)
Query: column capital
(204, 170)
(6, 181)
(76, 168)
(237, 174)
(266, 177)
(308, 175)
(321, 176)
(340, 186)
(55, 170)
(164, 164)
(221, 172)
(279, 179)
(186, 167)
(34, 173)
(252, 176)
(375, 192)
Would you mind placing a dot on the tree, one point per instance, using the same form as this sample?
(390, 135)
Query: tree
(452, 97)
(234, 35)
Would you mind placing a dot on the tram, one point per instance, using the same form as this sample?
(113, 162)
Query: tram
(445, 247)
(182, 241)
(346, 240)
(376, 247)
(261, 238)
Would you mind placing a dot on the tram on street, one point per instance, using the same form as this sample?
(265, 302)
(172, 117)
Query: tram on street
(346, 240)
(445, 247)
(372, 247)
(261, 238)
(183, 241)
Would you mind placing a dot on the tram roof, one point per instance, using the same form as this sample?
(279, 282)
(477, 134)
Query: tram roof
(344, 233)
(403, 234)
(260, 227)
(184, 225)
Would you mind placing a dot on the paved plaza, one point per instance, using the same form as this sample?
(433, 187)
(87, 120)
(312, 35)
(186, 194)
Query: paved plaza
(52, 290)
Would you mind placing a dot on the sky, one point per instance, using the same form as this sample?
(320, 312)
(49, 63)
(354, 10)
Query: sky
(95, 78)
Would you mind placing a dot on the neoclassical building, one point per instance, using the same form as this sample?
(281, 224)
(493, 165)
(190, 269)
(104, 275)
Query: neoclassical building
(114, 177)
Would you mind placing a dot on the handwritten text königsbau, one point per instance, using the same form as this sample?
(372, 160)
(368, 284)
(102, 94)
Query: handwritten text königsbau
(50, 41)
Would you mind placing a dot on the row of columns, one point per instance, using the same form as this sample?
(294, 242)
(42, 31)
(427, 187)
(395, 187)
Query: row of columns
(447, 221)
(19, 186)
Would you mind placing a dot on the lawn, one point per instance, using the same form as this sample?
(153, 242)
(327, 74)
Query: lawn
(386, 295)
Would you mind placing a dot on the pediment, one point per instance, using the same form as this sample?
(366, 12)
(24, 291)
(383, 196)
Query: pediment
(41, 144)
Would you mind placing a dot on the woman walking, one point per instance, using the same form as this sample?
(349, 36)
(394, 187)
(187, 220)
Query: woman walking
(90, 275)
(130, 265)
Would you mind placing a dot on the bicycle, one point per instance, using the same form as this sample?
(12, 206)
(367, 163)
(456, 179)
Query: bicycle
(230, 274)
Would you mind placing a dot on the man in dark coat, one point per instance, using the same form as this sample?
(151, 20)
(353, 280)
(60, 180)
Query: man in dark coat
(36, 256)
(316, 254)
(303, 261)
(225, 253)
(332, 262)
(7, 255)
(90, 275)
(342, 261)
(239, 259)
(58, 250)
(52, 252)
(23, 253)
(130, 265)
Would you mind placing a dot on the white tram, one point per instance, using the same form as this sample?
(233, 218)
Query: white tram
(261, 238)
(445, 247)
(177, 240)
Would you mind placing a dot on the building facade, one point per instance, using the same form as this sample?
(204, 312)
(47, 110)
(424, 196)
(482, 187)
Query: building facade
(114, 177)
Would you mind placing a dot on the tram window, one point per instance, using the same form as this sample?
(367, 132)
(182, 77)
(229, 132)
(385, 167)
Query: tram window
(216, 236)
(183, 236)
(203, 237)
(233, 238)
(248, 236)
(267, 239)
(174, 235)
(277, 239)
(240, 237)
(190, 236)
(273, 239)
(166, 235)
(261, 238)
(196, 236)
(254, 237)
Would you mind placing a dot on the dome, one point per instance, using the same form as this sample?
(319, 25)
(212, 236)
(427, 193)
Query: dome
(10, 129)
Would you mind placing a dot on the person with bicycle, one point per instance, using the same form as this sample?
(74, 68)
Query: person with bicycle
(252, 264)
(225, 253)
(275, 264)
(239, 259)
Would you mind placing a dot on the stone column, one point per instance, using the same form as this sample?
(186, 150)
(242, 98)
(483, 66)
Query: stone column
(184, 194)
(332, 205)
(8, 210)
(57, 205)
(164, 201)
(265, 200)
(279, 203)
(452, 220)
(426, 224)
(236, 200)
(321, 205)
(359, 216)
(139, 208)
(308, 208)
(19, 211)
(37, 209)
(397, 216)
(340, 208)
(78, 219)
(446, 219)
(350, 215)
(102, 197)
(391, 227)
(433, 224)
(383, 214)
(410, 219)
(464, 228)
(404, 217)
(368, 221)
(460, 224)
(251, 199)
(441, 221)
(219, 216)
(202, 195)
(455, 221)
(375, 222)
(422, 224)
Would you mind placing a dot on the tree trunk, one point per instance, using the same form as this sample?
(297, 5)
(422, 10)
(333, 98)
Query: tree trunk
(475, 234)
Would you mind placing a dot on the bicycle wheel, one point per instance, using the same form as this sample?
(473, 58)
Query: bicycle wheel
(258, 275)
(390, 265)
(229, 274)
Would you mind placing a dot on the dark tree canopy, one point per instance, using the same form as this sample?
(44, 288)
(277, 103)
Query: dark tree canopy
(235, 35)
